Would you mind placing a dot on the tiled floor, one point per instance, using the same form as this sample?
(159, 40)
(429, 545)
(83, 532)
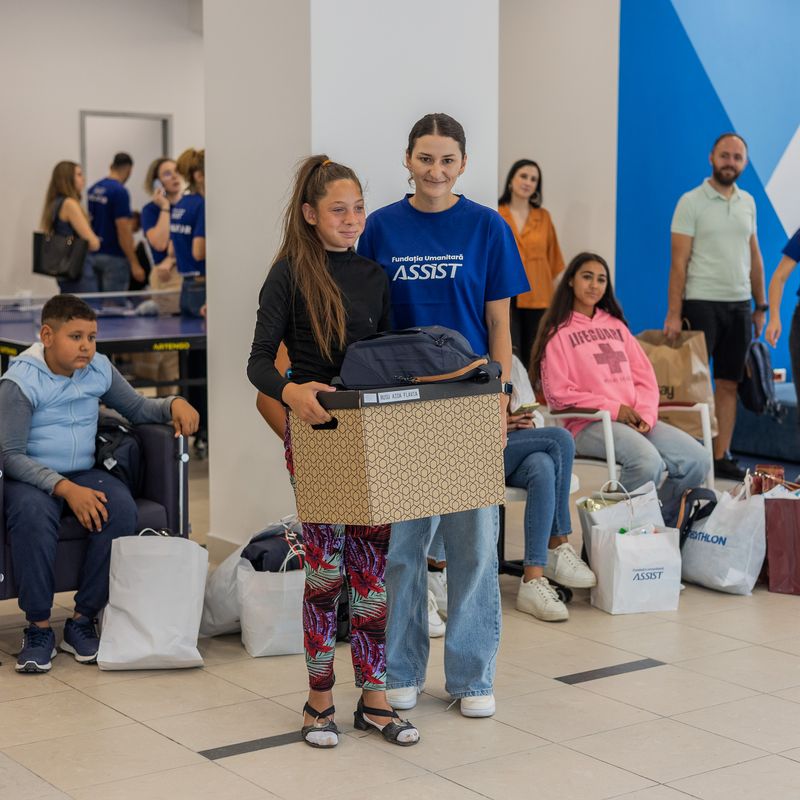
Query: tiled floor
(718, 719)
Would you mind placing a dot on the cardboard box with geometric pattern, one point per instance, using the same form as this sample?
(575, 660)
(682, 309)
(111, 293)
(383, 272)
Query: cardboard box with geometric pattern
(396, 454)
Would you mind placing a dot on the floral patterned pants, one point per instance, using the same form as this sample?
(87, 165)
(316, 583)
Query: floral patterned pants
(333, 553)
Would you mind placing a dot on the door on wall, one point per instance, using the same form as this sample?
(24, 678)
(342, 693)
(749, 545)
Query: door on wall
(144, 137)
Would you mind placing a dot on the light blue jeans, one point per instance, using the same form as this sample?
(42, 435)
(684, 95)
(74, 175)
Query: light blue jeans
(473, 601)
(113, 272)
(86, 283)
(645, 456)
(540, 460)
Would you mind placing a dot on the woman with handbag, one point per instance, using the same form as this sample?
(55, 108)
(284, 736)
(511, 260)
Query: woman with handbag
(586, 357)
(63, 215)
(318, 298)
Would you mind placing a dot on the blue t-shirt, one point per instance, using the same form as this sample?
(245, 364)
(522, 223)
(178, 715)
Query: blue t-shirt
(792, 250)
(444, 267)
(150, 214)
(108, 201)
(188, 221)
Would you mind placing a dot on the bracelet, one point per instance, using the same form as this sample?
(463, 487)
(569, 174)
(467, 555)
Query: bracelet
(761, 307)
(166, 209)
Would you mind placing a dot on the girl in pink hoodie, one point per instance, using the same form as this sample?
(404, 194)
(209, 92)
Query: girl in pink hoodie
(585, 357)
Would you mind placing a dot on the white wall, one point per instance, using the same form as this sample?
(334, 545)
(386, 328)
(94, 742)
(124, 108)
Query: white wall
(559, 62)
(406, 60)
(258, 125)
(57, 58)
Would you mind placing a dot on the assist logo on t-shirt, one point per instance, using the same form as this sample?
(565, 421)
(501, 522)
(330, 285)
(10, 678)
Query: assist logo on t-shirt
(427, 268)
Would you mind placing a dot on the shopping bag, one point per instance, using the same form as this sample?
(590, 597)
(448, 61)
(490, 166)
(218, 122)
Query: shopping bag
(271, 609)
(618, 510)
(683, 375)
(155, 601)
(639, 570)
(783, 544)
(221, 603)
(726, 549)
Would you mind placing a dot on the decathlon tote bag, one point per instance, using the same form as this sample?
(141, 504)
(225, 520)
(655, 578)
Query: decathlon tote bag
(155, 601)
(637, 571)
(725, 551)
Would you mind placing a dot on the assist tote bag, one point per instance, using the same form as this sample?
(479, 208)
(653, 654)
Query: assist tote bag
(639, 570)
(155, 602)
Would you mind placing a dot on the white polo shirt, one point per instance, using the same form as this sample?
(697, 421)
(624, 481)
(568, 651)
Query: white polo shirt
(719, 265)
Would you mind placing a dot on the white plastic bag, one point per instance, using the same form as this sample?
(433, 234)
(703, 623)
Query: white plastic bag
(726, 550)
(271, 609)
(637, 571)
(221, 604)
(618, 510)
(155, 602)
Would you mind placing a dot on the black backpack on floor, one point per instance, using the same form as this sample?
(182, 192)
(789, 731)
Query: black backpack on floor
(431, 354)
(757, 389)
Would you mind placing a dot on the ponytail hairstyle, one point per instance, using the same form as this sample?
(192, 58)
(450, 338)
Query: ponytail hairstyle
(62, 184)
(189, 162)
(535, 199)
(306, 255)
(560, 309)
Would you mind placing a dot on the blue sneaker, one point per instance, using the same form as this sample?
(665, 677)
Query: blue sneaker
(38, 647)
(80, 639)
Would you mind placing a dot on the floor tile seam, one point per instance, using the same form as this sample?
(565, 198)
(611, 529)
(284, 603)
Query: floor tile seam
(4, 749)
(671, 782)
(296, 691)
(680, 665)
(552, 677)
(737, 638)
(251, 782)
(36, 775)
(469, 789)
(771, 646)
(727, 738)
(40, 694)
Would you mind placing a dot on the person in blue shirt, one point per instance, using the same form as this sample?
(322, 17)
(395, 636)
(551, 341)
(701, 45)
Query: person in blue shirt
(789, 259)
(110, 211)
(450, 262)
(188, 246)
(164, 183)
(49, 399)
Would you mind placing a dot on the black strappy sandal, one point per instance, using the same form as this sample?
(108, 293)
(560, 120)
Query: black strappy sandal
(390, 731)
(328, 727)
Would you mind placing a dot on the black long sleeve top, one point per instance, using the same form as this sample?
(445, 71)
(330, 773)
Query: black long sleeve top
(283, 316)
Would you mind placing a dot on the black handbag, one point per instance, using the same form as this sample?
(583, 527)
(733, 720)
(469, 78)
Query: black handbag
(59, 256)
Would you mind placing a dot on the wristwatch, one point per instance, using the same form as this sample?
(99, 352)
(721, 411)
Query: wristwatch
(762, 307)
(507, 387)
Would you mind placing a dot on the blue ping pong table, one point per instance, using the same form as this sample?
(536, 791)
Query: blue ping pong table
(19, 328)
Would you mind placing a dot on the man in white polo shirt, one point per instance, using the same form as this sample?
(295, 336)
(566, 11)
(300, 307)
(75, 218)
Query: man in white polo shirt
(716, 269)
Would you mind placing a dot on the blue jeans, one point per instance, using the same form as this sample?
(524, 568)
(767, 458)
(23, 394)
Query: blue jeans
(33, 518)
(85, 284)
(193, 295)
(540, 460)
(473, 601)
(113, 272)
(645, 456)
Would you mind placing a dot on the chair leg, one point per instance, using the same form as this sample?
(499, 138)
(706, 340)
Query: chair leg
(504, 566)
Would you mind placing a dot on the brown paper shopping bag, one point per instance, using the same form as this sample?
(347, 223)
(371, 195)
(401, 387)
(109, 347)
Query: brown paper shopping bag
(683, 376)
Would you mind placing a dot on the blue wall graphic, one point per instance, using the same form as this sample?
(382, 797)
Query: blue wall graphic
(688, 71)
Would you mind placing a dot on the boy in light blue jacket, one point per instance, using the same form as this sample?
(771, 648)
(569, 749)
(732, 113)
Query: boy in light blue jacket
(49, 400)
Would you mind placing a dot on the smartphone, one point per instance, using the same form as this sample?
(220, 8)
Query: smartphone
(157, 185)
(528, 408)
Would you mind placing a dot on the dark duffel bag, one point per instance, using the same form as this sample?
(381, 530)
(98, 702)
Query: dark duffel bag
(432, 354)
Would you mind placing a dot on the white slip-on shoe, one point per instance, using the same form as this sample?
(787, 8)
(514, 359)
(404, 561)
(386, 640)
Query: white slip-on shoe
(436, 626)
(481, 705)
(565, 567)
(403, 698)
(539, 598)
(437, 583)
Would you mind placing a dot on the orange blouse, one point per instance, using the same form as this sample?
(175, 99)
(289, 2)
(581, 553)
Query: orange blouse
(540, 253)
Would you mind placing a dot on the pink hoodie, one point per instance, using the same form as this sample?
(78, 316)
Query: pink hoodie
(597, 363)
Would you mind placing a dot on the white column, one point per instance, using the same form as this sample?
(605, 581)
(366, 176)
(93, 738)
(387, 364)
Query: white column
(348, 78)
(258, 126)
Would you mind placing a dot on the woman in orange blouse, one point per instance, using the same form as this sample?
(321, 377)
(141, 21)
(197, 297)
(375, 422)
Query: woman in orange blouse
(521, 207)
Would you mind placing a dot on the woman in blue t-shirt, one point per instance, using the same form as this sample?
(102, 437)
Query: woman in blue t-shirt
(188, 245)
(164, 183)
(450, 262)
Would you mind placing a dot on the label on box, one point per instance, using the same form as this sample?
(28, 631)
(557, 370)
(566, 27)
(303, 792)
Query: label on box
(398, 396)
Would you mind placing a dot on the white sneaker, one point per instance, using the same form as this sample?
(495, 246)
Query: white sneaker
(402, 698)
(539, 598)
(437, 583)
(564, 567)
(436, 626)
(481, 705)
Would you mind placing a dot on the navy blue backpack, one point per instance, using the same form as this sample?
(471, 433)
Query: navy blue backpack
(757, 389)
